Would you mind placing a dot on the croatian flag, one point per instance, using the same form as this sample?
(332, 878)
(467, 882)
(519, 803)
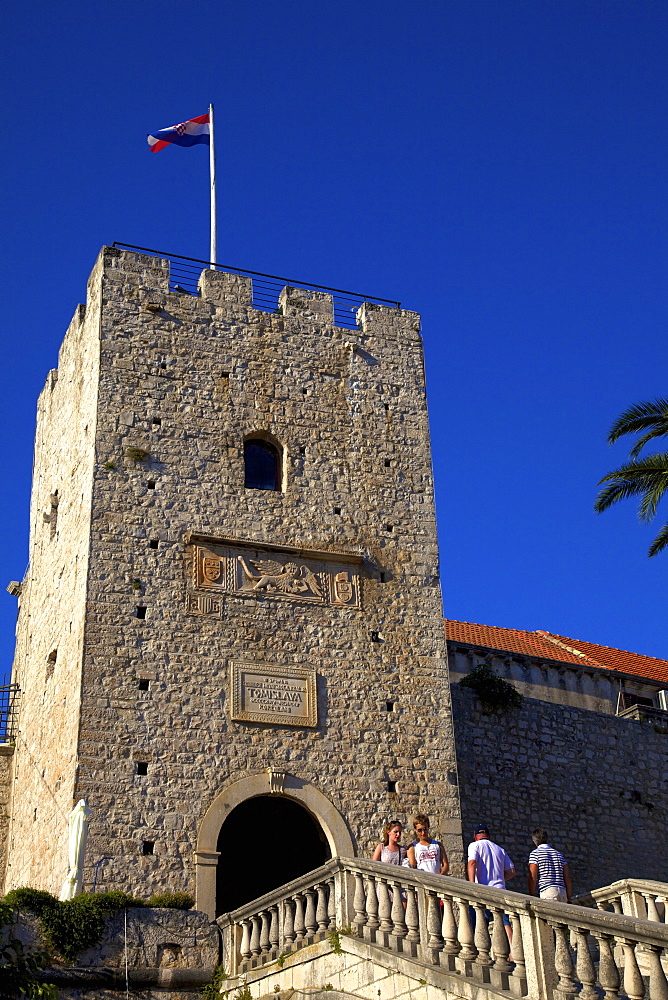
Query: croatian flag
(190, 133)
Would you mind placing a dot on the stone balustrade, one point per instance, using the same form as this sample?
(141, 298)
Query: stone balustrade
(635, 897)
(559, 951)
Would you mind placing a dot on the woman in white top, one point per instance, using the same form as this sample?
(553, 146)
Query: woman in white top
(425, 854)
(390, 851)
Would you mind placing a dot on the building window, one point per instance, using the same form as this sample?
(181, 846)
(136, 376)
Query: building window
(262, 462)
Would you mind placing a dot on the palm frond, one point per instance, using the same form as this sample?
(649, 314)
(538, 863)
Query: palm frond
(639, 417)
(645, 477)
(641, 442)
(660, 542)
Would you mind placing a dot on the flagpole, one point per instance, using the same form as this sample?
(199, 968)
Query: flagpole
(213, 253)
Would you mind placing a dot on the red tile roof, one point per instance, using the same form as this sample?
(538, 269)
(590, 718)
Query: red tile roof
(548, 646)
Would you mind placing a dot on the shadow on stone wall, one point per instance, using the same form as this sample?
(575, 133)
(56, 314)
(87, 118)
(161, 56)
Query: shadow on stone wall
(595, 782)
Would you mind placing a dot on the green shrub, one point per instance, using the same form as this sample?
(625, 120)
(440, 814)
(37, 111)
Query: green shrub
(495, 693)
(73, 926)
(172, 900)
(137, 454)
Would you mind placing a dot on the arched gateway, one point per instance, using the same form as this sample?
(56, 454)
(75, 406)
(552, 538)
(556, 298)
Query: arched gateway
(259, 800)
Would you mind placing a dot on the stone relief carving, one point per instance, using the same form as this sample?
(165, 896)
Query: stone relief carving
(219, 569)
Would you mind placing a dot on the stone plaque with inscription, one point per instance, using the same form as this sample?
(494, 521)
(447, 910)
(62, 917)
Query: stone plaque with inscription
(283, 695)
(231, 567)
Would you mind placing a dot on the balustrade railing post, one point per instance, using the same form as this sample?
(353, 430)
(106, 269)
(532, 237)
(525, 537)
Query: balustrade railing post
(584, 966)
(518, 979)
(309, 919)
(332, 922)
(300, 926)
(652, 912)
(288, 924)
(321, 909)
(467, 952)
(412, 920)
(255, 946)
(245, 947)
(398, 916)
(359, 903)
(563, 963)
(658, 985)
(500, 971)
(384, 910)
(273, 930)
(449, 933)
(434, 941)
(482, 940)
(633, 984)
(608, 973)
(372, 921)
(264, 932)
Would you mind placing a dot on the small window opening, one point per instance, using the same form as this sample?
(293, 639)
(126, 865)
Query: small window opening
(389, 705)
(141, 613)
(375, 636)
(144, 684)
(153, 544)
(302, 450)
(224, 374)
(163, 364)
(262, 465)
(388, 463)
(305, 391)
(157, 421)
(51, 662)
(387, 406)
(151, 484)
(392, 787)
(34, 816)
(382, 577)
(142, 767)
(147, 846)
(337, 510)
(389, 527)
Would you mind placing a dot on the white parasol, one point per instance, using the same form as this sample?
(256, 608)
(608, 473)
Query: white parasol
(78, 831)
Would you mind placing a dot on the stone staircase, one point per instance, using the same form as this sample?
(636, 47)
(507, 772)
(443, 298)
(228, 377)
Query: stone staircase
(384, 933)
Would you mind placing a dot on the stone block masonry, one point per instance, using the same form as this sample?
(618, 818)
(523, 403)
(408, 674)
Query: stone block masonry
(140, 456)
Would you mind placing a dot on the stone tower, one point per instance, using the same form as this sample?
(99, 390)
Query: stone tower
(232, 600)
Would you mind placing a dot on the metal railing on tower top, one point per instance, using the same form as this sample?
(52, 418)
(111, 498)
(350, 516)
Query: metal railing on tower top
(185, 272)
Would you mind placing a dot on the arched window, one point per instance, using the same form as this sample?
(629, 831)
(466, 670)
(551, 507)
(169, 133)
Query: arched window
(263, 465)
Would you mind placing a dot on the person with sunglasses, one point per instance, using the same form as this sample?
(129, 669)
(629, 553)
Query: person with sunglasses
(425, 854)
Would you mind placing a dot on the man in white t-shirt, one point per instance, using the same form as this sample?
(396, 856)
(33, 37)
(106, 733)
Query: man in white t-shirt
(489, 864)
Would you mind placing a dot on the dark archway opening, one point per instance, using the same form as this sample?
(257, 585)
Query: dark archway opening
(264, 843)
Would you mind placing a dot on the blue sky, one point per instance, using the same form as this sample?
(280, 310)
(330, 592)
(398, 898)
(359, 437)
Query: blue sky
(497, 165)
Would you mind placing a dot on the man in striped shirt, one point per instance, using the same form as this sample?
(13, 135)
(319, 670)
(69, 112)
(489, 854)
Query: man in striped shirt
(549, 876)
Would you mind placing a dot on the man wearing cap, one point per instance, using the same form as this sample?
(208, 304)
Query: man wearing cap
(488, 863)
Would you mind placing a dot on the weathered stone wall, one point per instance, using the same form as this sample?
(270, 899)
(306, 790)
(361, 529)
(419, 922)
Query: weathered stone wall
(186, 379)
(596, 783)
(6, 755)
(50, 630)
